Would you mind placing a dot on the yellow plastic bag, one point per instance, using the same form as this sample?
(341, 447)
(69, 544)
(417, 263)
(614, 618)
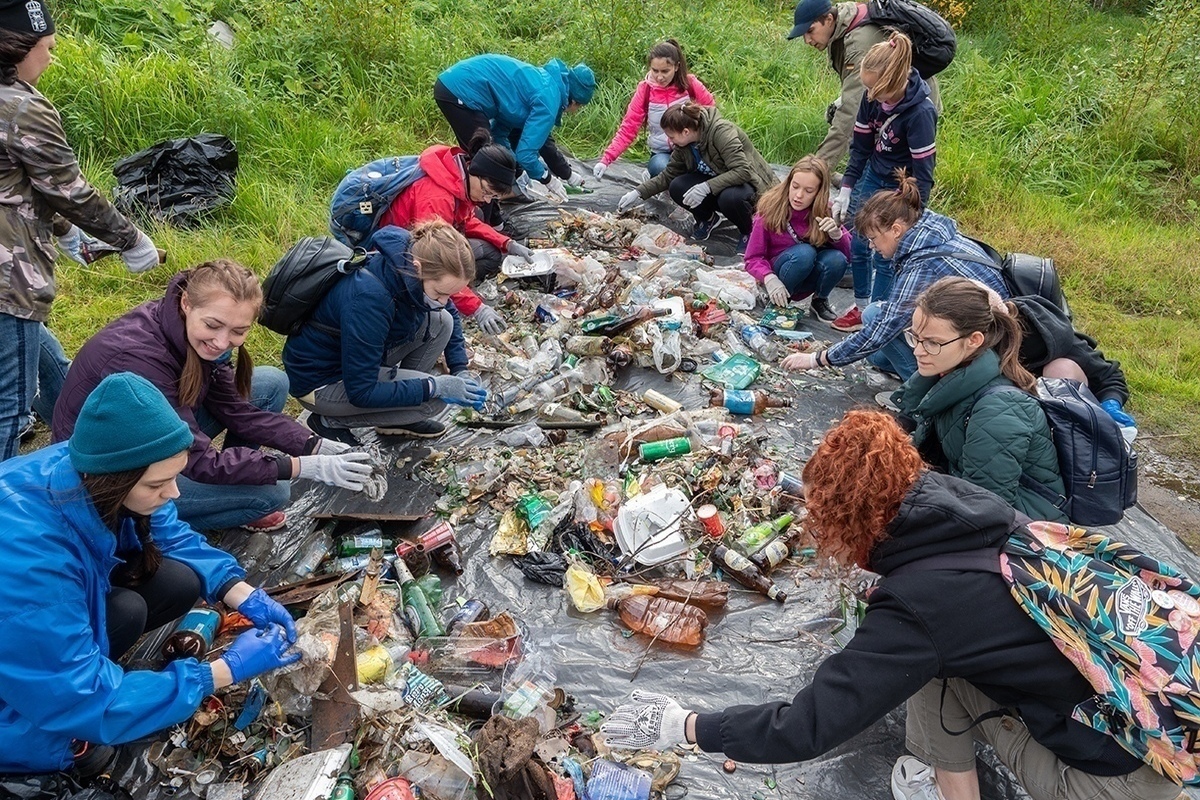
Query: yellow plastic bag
(587, 595)
(512, 536)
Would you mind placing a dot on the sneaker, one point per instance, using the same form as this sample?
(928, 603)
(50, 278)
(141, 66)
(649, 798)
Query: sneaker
(271, 522)
(821, 309)
(912, 779)
(742, 242)
(703, 229)
(317, 424)
(850, 321)
(91, 759)
(884, 400)
(422, 428)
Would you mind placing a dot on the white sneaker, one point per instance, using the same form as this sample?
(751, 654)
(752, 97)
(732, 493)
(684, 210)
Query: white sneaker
(912, 779)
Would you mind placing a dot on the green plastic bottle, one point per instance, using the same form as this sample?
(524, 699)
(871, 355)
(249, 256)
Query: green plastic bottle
(755, 537)
(416, 604)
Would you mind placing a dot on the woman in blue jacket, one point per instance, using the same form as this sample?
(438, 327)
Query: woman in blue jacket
(365, 357)
(521, 104)
(95, 556)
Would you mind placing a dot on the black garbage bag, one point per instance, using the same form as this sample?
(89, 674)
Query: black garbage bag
(543, 567)
(571, 536)
(178, 181)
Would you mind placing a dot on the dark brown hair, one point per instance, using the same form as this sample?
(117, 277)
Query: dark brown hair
(204, 283)
(969, 306)
(14, 46)
(888, 206)
(685, 116)
(891, 61)
(108, 493)
(671, 51)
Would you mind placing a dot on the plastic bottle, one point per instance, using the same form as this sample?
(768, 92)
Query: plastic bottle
(549, 391)
(257, 552)
(756, 537)
(708, 594)
(193, 636)
(416, 604)
(364, 543)
(548, 356)
(352, 563)
(316, 552)
(746, 401)
(755, 336)
(669, 620)
(771, 556)
(742, 570)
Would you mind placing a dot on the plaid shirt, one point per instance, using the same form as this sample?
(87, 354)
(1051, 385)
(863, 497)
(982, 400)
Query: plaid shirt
(916, 270)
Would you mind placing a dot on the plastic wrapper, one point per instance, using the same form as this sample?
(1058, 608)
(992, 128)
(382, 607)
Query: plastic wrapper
(734, 287)
(584, 589)
(317, 637)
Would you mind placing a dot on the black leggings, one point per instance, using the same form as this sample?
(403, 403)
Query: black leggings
(131, 612)
(736, 202)
(466, 121)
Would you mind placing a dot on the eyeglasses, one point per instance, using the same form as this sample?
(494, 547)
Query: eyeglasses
(928, 345)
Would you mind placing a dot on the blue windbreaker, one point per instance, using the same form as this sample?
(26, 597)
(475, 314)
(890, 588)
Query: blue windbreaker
(57, 682)
(514, 96)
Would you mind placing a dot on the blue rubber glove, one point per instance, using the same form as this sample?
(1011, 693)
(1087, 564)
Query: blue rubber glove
(1113, 407)
(256, 652)
(262, 610)
(460, 391)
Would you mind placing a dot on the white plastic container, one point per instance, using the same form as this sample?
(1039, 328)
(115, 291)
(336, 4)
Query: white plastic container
(649, 525)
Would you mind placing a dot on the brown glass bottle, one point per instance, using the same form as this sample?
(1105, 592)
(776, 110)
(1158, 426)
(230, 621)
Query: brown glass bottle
(746, 402)
(669, 620)
(742, 570)
(771, 556)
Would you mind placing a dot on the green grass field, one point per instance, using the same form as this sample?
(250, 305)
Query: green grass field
(1067, 132)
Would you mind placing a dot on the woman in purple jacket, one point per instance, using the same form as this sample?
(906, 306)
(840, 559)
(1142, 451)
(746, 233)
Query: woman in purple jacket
(182, 343)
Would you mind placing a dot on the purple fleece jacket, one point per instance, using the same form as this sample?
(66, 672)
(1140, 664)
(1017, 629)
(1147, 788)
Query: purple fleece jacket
(765, 246)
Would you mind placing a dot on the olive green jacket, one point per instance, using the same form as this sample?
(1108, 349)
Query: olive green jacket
(726, 149)
(40, 180)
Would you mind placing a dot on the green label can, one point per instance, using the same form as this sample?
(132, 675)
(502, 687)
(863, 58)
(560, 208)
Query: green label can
(669, 448)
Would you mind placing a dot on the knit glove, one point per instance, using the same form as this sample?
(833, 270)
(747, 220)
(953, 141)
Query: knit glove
(648, 721)
(628, 200)
(331, 447)
(489, 320)
(256, 652)
(142, 256)
(776, 291)
(515, 248)
(460, 391)
(346, 470)
(522, 185)
(841, 205)
(599, 170)
(695, 195)
(263, 611)
(1113, 406)
(831, 228)
(555, 188)
(71, 244)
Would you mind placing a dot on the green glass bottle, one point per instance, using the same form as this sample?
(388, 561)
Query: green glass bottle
(416, 604)
(344, 788)
(354, 545)
(755, 537)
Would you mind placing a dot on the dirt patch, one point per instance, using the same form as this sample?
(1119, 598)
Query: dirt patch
(1169, 490)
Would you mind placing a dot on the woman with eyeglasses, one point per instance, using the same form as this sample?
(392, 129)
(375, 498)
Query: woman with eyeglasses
(971, 399)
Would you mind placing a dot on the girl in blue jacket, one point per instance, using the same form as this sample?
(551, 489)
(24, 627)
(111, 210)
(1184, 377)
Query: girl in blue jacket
(365, 357)
(94, 557)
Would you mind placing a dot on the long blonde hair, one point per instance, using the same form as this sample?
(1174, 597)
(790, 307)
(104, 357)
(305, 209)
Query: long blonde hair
(442, 251)
(203, 284)
(775, 208)
(892, 62)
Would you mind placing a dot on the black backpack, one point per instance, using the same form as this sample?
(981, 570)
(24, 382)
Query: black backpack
(1024, 275)
(301, 278)
(1098, 467)
(933, 40)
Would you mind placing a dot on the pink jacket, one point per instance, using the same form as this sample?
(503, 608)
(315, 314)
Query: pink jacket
(765, 246)
(646, 108)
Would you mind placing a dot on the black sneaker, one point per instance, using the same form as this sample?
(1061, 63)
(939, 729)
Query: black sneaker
(704, 228)
(821, 309)
(422, 428)
(92, 759)
(743, 243)
(316, 423)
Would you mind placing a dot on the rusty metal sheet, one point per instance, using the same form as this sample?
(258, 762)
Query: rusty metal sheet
(335, 712)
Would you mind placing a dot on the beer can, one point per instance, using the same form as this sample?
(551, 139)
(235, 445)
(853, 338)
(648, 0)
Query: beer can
(790, 484)
(660, 401)
(656, 451)
(710, 519)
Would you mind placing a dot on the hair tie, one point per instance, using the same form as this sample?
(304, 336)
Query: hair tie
(899, 189)
(891, 42)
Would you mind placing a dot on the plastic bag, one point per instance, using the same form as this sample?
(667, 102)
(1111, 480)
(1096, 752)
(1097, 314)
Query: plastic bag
(543, 567)
(584, 589)
(317, 639)
(735, 288)
(528, 435)
(178, 181)
(666, 349)
(657, 239)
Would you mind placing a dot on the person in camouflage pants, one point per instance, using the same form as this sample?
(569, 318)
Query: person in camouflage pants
(42, 193)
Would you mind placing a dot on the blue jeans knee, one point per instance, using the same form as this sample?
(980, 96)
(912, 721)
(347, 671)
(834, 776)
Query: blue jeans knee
(795, 267)
(658, 162)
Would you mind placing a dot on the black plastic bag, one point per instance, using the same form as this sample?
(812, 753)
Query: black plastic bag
(178, 181)
(43, 786)
(543, 567)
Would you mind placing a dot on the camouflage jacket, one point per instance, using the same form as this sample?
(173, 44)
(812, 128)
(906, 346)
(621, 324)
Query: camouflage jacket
(40, 180)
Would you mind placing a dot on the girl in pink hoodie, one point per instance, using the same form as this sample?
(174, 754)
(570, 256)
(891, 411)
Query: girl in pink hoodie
(667, 83)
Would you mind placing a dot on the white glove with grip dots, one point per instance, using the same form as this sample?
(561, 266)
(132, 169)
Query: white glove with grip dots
(647, 721)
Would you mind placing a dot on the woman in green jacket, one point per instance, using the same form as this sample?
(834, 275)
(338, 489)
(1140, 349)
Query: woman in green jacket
(966, 341)
(714, 167)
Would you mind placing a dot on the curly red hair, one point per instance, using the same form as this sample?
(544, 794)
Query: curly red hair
(855, 481)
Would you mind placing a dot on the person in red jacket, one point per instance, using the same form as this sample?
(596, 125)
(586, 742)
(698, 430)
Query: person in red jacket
(456, 184)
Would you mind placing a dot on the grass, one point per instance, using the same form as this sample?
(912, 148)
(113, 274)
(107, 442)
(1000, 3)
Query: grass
(1068, 134)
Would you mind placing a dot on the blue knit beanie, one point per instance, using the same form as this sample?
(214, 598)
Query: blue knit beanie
(581, 84)
(125, 424)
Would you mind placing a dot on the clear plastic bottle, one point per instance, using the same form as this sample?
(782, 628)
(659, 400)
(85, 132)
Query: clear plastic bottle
(310, 558)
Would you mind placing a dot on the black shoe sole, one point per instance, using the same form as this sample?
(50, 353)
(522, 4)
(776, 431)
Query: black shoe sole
(318, 426)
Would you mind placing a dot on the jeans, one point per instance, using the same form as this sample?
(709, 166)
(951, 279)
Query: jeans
(130, 612)
(806, 270)
(658, 162)
(895, 356)
(213, 506)
(32, 370)
(863, 260)
(736, 202)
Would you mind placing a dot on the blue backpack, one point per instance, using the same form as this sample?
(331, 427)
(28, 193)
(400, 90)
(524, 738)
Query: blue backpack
(365, 193)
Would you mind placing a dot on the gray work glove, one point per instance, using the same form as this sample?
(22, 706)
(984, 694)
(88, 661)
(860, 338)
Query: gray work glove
(840, 207)
(459, 390)
(331, 447)
(695, 195)
(599, 170)
(519, 250)
(489, 320)
(71, 244)
(142, 256)
(629, 200)
(647, 721)
(346, 470)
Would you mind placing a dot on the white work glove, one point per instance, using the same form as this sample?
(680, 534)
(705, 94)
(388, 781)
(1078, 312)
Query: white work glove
(647, 721)
(331, 447)
(522, 185)
(346, 471)
(489, 320)
(576, 179)
(71, 244)
(599, 170)
(515, 248)
(841, 205)
(628, 200)
(776, 291)
(831, 228)
(142, 256)
(695, 195)
(799, 362)
(555, 188)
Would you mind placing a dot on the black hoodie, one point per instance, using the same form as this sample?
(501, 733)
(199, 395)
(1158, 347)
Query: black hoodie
(1049, 334)
(924, 625)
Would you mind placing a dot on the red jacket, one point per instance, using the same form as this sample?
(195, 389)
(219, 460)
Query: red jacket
(442, 194)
